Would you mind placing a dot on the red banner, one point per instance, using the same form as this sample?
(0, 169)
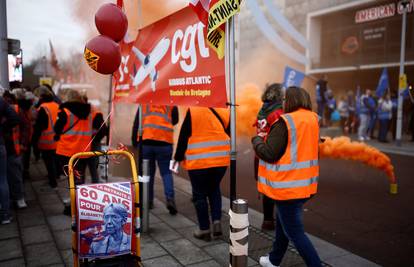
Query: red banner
(170, 63)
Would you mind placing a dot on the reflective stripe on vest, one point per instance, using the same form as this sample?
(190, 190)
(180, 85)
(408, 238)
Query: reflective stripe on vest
(148, 112)
(290, 178)
(73, 132)
(46, 141)
(157, 123)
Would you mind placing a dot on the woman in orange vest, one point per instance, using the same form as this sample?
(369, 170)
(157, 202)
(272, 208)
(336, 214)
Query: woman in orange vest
(204, 148)
(288, 173)
(43, 136)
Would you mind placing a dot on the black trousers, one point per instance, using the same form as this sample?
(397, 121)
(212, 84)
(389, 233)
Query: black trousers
(51, 163)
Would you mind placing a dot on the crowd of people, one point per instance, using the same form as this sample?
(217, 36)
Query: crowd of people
(366, 114)
(52, 128)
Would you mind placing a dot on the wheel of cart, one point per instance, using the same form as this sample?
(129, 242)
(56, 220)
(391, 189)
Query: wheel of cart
(105, 218)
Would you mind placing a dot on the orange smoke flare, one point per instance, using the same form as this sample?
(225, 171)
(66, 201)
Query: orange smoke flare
(342, 148)
(249, 104)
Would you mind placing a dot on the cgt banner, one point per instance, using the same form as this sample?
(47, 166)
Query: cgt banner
(170, 64)
(104, 219)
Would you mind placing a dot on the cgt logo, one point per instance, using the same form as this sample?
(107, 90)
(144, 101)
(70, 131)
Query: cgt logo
(183, 51)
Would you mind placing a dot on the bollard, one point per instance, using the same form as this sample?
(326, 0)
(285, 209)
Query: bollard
(145, 194)
(239, 233)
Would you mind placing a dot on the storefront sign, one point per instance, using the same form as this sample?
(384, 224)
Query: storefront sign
(170, 64)
(104, 219)
(381, 12)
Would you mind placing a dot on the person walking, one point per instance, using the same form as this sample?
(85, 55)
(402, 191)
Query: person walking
(269, 113)
(343, 110)
(321, 88)
(366, 106)
(384, 117)
(43, 135)
(8, 120)
(204, 148)
(288, 173)
(157, 146)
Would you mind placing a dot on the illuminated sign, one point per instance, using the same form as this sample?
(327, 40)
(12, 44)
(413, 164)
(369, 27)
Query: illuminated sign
(381, 12)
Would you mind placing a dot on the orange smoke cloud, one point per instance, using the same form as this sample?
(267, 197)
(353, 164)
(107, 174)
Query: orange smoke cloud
(249, 104)
(342, 148)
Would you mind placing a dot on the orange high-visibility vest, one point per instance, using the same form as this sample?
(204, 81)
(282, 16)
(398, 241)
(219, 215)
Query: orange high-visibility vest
(76, 136)
(16, 133)
(157, 123)
(208, 145)
(46, 141)
(296, 174)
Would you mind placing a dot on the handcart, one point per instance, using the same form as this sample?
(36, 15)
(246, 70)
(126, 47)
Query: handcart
(105, 218)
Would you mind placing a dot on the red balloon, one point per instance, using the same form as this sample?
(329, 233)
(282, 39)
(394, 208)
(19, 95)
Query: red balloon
(111, 21)
(102, 54)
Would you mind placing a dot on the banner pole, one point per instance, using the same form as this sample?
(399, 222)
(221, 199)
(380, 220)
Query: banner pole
(109, 109)
(231, 80)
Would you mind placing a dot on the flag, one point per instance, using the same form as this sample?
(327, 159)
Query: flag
(292, 77)
(213, 14)
(383, 83)
(53, 58)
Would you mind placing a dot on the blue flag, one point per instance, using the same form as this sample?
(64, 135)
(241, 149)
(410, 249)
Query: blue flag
(292, 77)
(383, 83)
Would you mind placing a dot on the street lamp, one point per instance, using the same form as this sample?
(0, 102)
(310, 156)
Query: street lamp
(401, 83)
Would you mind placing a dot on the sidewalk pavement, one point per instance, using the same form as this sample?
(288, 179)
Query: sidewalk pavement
(40, 235)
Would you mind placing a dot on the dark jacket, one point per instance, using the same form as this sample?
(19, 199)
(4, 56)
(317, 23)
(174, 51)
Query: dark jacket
(42, 121)
(185, 134)
(81, 111)
(323, 86)
(134, 136)
(8, 119)
(275, 145)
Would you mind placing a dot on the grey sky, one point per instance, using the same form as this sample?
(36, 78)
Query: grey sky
(34, 22)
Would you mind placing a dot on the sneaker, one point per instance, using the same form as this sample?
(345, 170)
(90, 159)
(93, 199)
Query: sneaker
(268, 225)
(217, 232)
(361, 139)
(171, 206)
(265, 262)
(6, 220)
(21, 204)
(202, 235)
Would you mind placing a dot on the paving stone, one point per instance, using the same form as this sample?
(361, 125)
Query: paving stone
(188, 234)
(42, 188)
(13, 263)
(185, 251)
(63, 239)
(48, 199)
(29, 219)
(9, 230)
(159, 208)
(53, 208)
(36, 234)
(10, 249)
(42, 254)
(161, 262)
(210, 263)
(154, 219)
(220, 253)
(177, 221)
(151, 250)
(162, 232)
(67, 257)
(350, 260)
(32, 207)
(59, 222)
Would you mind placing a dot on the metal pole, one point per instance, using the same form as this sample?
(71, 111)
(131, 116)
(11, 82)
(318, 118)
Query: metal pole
(402, 59)
(231, 68)
(239, 233)
(4, 64)
(109, 110)
(145, 195)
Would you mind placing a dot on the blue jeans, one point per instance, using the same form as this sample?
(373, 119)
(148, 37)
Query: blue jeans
(206, 185)
(372, 123)
(383, 130)
(162, 155)
(15, 177)
(289, 226)
(4, 185)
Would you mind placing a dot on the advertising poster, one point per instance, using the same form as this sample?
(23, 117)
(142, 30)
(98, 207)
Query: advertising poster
(104, 222)
(170, 63)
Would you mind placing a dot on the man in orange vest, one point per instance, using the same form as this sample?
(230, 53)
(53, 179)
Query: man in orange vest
(43, 136)
(204, 148)
(8, 120)
(14, 158)
(157, 139)
(288, 174)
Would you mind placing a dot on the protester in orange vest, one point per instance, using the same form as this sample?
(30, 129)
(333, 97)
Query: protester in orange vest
(204, 148)
(8, 120)
(74, 130)
(269, 113)
(14, 158)
(157, 139)
(288, 173)
(43, 136)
